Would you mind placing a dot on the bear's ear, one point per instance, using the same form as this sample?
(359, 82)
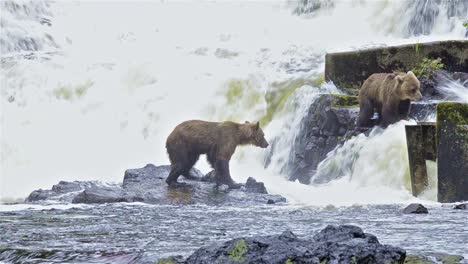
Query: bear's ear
(257, 126)
(400, 78)
(410, 73)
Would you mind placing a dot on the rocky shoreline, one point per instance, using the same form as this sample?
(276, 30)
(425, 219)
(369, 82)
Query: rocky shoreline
(148, 185)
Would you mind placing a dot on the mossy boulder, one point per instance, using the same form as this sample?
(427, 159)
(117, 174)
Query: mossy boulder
(343, 100)
(340, 244)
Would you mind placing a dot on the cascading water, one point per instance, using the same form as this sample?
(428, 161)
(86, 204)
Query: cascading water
(86, 98)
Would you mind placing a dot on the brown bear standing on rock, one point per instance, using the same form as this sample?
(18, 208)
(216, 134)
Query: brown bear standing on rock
(218, 140)
(390, 94)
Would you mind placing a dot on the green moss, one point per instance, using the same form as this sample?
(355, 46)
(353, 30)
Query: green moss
(465, 24)
(450, 259)
(277, 97)
(238, 251)
(353, 260)
(427, 67)
(323, 261)
(417, 47)
(288, 261)
(456, 113)
(412, 259)
(69, 93)
(166, 261)
(343, 100)
(235, 91)
(319, 80)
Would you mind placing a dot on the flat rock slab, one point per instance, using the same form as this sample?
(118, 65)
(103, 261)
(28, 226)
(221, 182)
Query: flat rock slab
(334, 244)
(148, 185)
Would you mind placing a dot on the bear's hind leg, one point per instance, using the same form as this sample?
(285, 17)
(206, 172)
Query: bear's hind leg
(192, 159)
(176, 171)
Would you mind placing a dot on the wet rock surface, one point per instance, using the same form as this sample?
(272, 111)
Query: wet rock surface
(430, 83)
(61, 191)
(322, 129)
(330, 120)
(148, 185)
(334, 244)
(415, 208)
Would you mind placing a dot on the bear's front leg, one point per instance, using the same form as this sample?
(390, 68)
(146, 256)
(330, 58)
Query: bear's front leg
(390, 114)
(223, 175)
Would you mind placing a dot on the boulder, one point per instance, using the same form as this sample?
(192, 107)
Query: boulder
(148, 185)
(334, 244)
(329, 119)
(415, 208)
(254, 186)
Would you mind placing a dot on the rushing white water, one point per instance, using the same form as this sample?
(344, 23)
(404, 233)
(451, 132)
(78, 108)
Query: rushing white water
(99, 89)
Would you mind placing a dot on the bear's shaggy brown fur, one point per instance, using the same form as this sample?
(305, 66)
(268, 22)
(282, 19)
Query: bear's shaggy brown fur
(218, 140)
(389, 94)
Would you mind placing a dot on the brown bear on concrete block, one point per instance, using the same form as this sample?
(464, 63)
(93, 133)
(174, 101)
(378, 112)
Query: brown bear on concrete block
(390, 95)
(218, 140)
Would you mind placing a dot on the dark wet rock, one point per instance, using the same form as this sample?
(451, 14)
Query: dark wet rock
(148, 185)
(59, 191)
(270, 201)
(334, 244)
(171, 260)
(422, 111)
(209, 177)
(254, 186)
(415, 208)
(430, 82)
(328, 120)
(462, 206)
(106, 195)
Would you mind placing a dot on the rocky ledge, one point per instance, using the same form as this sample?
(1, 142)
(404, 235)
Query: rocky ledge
(148, 185)
(334, 244)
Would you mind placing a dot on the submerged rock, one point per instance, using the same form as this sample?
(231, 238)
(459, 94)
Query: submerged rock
(148, 185)
(334, 244)
(434, 258)
(415, 208)
(462, 206)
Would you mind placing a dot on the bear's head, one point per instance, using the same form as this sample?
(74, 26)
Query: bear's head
(253, 134)
(409, 86)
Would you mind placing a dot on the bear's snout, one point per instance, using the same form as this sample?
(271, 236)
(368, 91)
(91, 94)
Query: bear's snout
(264, 144)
